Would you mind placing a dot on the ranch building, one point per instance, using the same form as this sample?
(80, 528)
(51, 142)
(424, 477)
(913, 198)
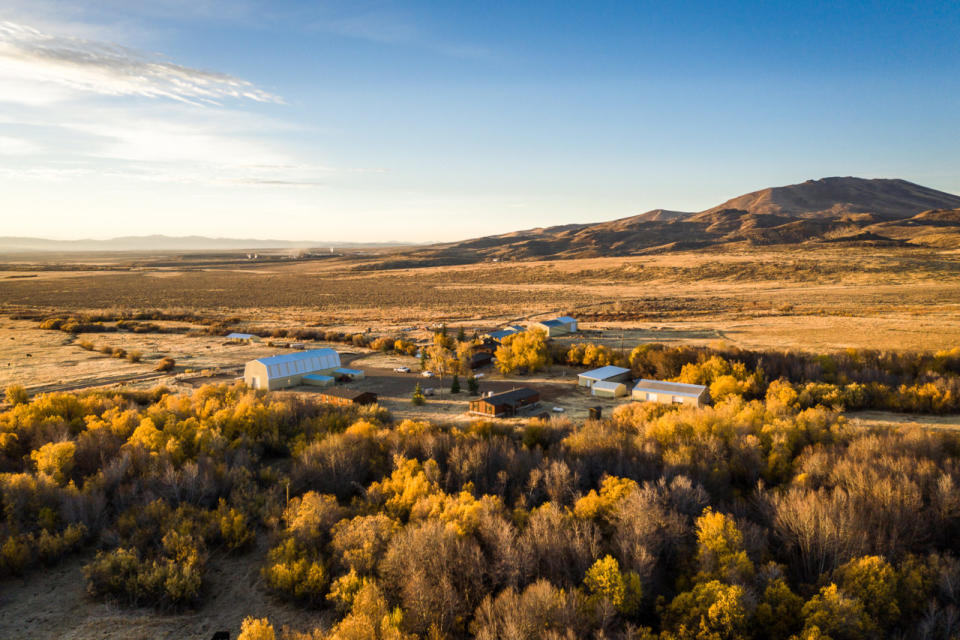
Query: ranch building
(505, 404)
(342, 396)
(288, 369)
(604, 374)
(608, 389)
(695, 395)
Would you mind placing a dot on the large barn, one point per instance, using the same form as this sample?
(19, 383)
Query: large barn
(671, 392)
(288, 369)
(604, 374)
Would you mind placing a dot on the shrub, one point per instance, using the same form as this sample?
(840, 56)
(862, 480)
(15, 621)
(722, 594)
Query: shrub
(134, 356)
(55, 459)
(16, 394)
(256, 629)
(166, 364)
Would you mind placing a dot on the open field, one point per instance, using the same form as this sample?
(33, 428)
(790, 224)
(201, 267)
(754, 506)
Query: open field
(813, 300)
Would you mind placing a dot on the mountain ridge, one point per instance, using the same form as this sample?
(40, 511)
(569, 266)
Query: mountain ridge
(879, 211)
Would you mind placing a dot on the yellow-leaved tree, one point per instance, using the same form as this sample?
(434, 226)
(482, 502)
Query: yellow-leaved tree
(527, 349)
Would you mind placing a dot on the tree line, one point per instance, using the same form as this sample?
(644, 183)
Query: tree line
(762, 516)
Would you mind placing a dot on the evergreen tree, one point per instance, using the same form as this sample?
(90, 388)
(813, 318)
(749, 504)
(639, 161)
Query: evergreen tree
(455, 385)
(418, 398)
(423, 358)
(472, 385)
(461, 335)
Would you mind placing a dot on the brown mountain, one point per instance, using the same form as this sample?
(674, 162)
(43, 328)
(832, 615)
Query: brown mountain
(833, 197)
(854, 210)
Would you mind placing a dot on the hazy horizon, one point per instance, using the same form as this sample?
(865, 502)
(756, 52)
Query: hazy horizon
(416, 123)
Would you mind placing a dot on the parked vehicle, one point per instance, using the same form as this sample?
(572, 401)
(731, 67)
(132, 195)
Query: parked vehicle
(402, 369)
(427, 374)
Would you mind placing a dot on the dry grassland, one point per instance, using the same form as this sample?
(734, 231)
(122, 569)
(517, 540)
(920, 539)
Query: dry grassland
(821, 299)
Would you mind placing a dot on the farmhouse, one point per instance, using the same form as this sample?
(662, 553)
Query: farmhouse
(608, 389)
(558, 326)
(343, 396)
(671, 392)
(603, 374)
(505, 404)
(288, 369)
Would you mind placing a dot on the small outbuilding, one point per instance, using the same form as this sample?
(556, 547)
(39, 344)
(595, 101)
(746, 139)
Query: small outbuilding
(604, 374)
(695, 395)
(288, 369)
(344, 397)
(351, 374)
(243, 337)
(505, 404)
(318, 380)
(558, 326)
(608, 389)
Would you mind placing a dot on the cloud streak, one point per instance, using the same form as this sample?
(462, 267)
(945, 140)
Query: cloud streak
(28, 55)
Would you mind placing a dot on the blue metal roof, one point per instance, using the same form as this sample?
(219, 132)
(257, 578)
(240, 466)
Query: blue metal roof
(553, 323)
(352, 372)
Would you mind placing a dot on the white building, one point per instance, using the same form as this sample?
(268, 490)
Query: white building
(604, 374)
(671, 392)
(608, 389)
(288, 369)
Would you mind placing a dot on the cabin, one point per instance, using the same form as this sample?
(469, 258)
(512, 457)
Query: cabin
(480, 359)
(695, 395)
(505, 404)
(608, 389)
(346, 397)
(288, 369)
(604, 374)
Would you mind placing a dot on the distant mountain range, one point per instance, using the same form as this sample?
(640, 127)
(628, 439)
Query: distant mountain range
(172, 243)
(831, 210)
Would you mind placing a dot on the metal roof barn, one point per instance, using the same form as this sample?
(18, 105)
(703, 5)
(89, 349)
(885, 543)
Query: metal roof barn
(287, 369)
(609, 373)
(670, 392)
(608, 389)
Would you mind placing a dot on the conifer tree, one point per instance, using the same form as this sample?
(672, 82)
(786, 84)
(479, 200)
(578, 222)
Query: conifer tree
(418, 398)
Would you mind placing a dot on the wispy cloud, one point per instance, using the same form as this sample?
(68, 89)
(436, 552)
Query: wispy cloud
(30, 56)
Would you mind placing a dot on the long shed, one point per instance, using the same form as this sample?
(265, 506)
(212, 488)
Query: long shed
(671, 392)
(505, 404)
(342, 396)
(288, 369)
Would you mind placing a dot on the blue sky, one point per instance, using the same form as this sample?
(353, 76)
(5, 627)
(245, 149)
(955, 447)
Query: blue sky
(424, 121)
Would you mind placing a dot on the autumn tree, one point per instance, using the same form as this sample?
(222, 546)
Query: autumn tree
(527, 349)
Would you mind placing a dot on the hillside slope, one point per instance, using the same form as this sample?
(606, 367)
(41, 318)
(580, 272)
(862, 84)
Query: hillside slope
(857, 210)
